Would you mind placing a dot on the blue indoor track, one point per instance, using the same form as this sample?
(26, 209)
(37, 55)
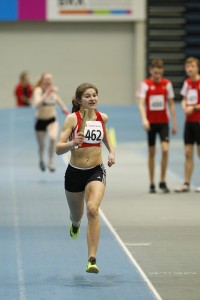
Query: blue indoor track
(38, 259)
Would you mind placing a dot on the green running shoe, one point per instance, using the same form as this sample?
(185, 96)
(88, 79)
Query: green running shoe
(74, 231)
(91, 266)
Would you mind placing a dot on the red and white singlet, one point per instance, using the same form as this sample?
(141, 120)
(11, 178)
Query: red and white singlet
(156, 95)
(191, 91)
(94, 131)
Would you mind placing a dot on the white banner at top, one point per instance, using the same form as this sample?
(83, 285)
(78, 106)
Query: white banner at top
(96, 10)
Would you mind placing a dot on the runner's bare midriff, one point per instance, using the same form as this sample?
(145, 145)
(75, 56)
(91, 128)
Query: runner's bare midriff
(46, 112)
(86, 157)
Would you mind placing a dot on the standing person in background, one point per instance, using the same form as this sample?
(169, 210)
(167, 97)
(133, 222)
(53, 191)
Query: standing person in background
(23, 91)
(45, 100)
(85, 177)
(191, 108)
(155, 93)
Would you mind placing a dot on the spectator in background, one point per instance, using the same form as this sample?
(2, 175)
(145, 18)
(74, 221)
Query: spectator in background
(191, 108)
(45, 99)
(23, 91)
(154, 94)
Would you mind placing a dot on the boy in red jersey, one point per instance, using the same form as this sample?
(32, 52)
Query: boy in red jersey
(191, 108)
(154, 95)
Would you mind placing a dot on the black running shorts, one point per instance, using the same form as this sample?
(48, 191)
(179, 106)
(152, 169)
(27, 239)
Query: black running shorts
(162, 129)
(192, 133)
(77, 179)
(41, 125)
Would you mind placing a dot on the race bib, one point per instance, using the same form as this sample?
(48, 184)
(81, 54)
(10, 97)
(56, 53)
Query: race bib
(156, 102)
(192, 96)
(93, 132)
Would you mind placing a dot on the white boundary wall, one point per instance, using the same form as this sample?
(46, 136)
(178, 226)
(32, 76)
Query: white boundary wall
(109, 54)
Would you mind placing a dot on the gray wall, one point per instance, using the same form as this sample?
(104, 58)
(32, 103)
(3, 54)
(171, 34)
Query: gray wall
(100, 53)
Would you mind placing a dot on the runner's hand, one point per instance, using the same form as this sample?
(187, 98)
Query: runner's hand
(146, 125)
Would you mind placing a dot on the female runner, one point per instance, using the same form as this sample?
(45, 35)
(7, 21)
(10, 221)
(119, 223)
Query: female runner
(85, 177)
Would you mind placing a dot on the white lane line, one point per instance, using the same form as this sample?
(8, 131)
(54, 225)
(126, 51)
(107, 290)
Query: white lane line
(175, 273)
(138, 244)
(150, 285)
(20, 267)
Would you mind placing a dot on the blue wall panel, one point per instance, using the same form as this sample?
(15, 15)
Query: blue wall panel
(8, 10)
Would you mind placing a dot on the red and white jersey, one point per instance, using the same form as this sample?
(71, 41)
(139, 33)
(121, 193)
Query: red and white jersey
(191, 91)
(94, 131)
(156, 95)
